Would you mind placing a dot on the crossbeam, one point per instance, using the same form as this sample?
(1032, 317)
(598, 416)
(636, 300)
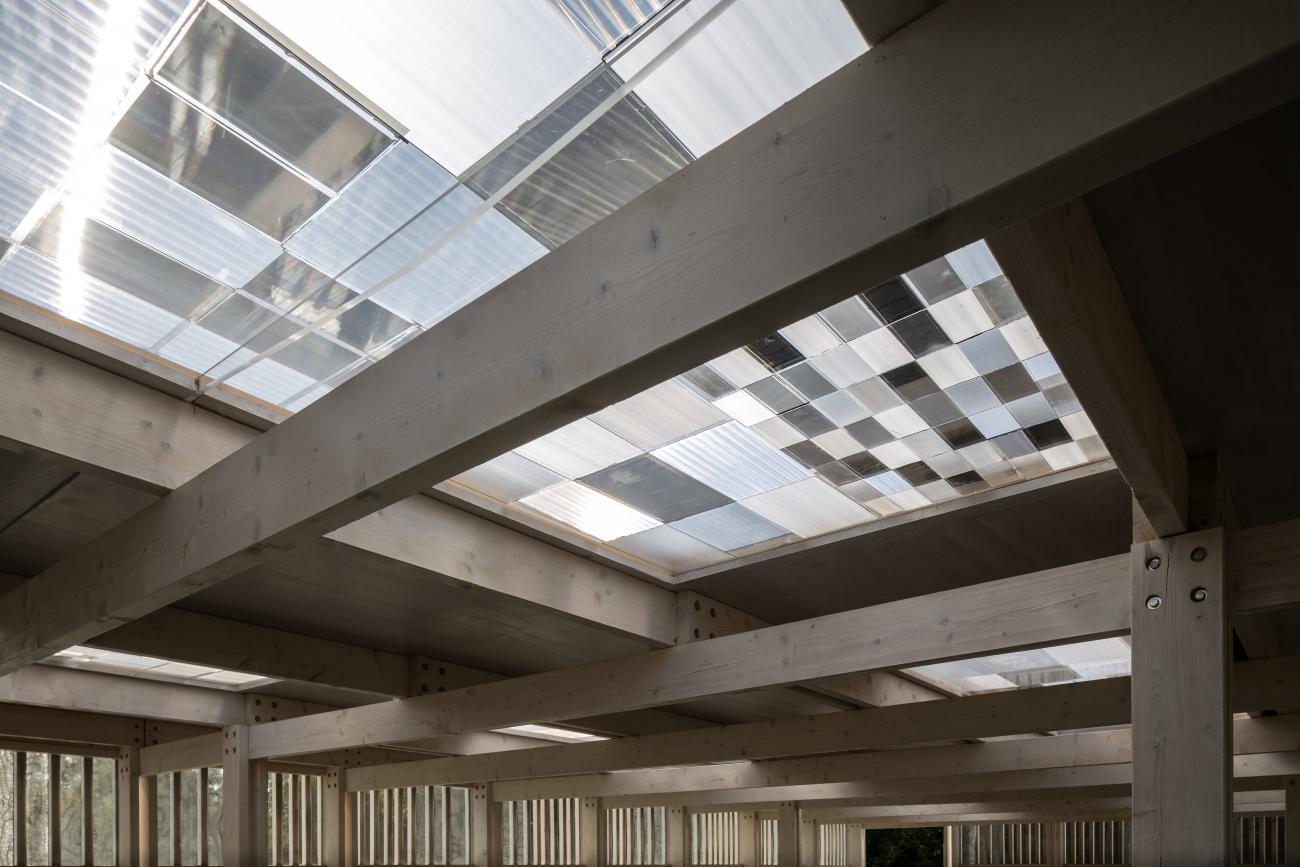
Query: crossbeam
(1072, 603)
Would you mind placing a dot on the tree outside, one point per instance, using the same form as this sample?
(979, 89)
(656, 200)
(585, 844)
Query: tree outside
(905, 847)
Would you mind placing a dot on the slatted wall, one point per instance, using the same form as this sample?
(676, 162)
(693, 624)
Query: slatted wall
(1259, 839)
(542, 832)
(422, 825)
(767, 842)
(715, 839)
(57, 808)
(294, 807)
(1100, 841)
(1007, 843)
(833, 845)
(636, 836)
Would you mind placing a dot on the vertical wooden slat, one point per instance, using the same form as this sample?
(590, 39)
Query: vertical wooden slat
(148, 842)
(1182, 774)
(174, 789)
(56, 815)
(20, 808)
(87, 811)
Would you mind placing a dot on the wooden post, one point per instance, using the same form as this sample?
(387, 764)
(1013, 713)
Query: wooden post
(54, 779)
(336, 822)
(482, 833)
(788, 849)
(857, 846)
(676, 831)
(148, 836)
(87, 811)
(748, 853)
(239, 814)
(1052, 834)
(1182, 749)
(590, 851)
(1293, 822)
(809, 839)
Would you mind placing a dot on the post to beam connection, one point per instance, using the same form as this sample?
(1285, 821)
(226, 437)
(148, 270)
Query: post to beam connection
(1182, 772)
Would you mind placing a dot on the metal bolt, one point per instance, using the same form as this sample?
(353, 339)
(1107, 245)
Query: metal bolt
(1153, 564)
(1154, 602)
(1200, 594)
(1198, 554)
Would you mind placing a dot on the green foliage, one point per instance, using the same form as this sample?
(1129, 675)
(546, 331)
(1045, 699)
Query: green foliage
(905, 847)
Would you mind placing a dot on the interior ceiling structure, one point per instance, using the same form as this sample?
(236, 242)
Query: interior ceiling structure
(273, 219)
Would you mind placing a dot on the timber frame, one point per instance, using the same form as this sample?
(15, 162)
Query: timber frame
(402, 633)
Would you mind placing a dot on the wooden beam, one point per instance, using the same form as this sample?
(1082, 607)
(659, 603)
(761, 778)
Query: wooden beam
(700, 618)
(1263, 566)
(56, 724)
(72, 689)
(154, 442)
(1078, 602)
(1083, 705)
(1265, 747)
(1063, 277)
(1182, 721)
(196, 752)
(848, 184)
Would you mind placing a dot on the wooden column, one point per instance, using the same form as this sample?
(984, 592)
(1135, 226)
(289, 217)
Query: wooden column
(1052, 839)
(748, 854)
(240, 816)
(787, 835)
(590, 851)
(1182, 749)
(148, 835)
(336, 823)
(676, 819)
(483, 819)
(809, 841)
(1293, 822)
(857, 846)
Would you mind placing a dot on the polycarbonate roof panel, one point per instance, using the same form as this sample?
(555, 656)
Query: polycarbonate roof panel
(460, 75)
(229, 69)
(154, 668)
(832, 422)
(608, 22)
(1067, 663)
(754, 56)
(182, 143)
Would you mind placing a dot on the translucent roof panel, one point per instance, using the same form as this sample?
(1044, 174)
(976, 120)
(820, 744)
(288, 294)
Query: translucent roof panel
(552, 733)
(153, 668)
(609, 22)
(754, 56)
(1067, 663)
(274, 203)
(459, 75)
(929, 387)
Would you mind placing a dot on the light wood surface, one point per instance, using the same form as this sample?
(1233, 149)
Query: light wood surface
(1182, 728)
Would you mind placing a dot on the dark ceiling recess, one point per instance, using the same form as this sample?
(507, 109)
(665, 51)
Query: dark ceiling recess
(1204, 244)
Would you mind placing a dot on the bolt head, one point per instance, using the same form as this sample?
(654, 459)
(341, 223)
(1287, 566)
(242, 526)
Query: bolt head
(1200, 594)
(1153, 564)
(1154, 602)
(1198, 554)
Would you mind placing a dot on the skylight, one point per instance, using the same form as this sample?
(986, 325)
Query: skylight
(1067, 663)
(552, 733)
(273, 204)
(153, 668)
(273, 219)
(930, 387)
